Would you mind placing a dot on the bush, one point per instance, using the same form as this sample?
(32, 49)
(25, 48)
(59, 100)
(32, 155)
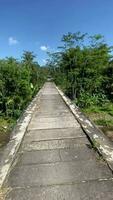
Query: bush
(19, 82)
(85, 100)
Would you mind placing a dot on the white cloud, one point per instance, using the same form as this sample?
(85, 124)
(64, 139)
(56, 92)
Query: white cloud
(12, 41)
(44, 61)
(44, 48)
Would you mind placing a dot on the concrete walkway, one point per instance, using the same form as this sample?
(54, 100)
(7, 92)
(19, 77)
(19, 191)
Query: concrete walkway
(55, 161)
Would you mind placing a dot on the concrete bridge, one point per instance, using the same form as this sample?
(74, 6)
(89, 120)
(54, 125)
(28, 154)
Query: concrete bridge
(55, 160)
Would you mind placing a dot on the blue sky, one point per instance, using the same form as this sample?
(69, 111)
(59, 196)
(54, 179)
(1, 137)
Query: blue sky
(38, 25)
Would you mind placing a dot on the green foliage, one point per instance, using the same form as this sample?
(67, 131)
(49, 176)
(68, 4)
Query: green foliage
(101, 115)
(104, 122)
(85, 100)
(84, 69)
(19, 82)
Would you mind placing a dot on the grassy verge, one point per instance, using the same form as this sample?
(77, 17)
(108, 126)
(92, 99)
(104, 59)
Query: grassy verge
(6, 124)
(102, 117)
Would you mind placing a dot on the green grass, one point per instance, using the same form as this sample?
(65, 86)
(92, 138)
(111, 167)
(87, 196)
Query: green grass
(102, 117)
(6, 125)
(107, 108)
(103, 122)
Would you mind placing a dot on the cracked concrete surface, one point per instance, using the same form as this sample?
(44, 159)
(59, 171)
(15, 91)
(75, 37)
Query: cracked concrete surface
(54, 161)
(101, 142)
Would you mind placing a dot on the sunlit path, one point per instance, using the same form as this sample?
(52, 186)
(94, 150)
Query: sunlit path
(55, 161)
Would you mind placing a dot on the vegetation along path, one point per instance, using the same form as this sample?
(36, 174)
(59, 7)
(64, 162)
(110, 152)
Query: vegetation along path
(55, 161)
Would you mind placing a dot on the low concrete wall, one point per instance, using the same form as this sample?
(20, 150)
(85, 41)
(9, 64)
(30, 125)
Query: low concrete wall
(17, 135)
(101, 142)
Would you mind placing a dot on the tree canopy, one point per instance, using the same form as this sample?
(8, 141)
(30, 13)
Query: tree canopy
(19, 82)
(83, 67)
